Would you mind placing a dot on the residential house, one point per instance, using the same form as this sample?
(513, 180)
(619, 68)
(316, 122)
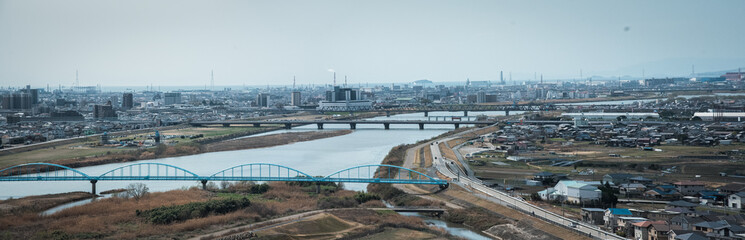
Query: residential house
(641, 180)
(593, 216)
(631, 189)
(686, 235)
(719, 229)
(659, 230)
(617, 178)
(684, 222)
(612, 214)
(689, 188)
(641, 230)
(625, 224)
(648, 230)
(732, 188)
(735, 200)
(663, 192)
(682, 204)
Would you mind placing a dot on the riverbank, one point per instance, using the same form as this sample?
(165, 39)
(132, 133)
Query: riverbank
(196, 213)
(41, 202)
(228, 142)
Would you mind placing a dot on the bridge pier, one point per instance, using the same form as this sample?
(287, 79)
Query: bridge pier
(352, 126)
(426, 113)
(387, 113)
(318, 187)
(421, 126)
(204, 184)
(257, 125)
(288, 125)
(320, 126)
(457, 125)
(93, 186)
(226, 124)
(465, 113)
(506, 112)
(387, 126)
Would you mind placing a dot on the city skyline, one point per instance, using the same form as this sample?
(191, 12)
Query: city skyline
(260, 43)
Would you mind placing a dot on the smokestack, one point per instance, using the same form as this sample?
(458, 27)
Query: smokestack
(501, 77)
(334, 79)
(345, 80)
(293, 82)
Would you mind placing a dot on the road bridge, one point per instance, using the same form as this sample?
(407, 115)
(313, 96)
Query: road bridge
(259, 172)
(352, 123)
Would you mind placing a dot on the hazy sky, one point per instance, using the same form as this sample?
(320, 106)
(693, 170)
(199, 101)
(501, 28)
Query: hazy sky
(267, 42)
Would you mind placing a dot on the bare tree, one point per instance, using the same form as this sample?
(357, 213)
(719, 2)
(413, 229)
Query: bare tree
(137, 190)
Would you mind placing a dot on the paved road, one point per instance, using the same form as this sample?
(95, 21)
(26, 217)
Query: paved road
(445, 167)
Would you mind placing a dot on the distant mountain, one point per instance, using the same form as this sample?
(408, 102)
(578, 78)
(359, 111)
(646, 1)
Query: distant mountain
(423, 81)
(681, 67)
(718, 73)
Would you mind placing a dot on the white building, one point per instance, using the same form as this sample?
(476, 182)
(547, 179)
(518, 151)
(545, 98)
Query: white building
(572, 191)
(735, 200)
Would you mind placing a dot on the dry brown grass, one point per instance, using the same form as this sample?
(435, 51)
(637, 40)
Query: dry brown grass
(116, 218)
(41, 202)
(427, 156)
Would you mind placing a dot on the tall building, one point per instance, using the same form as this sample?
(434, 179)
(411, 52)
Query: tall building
(127, 101)
(172, 98)
(263, 100)
(296, 100)
(33, 92)
(344, 99)
(17, 101)
(104, 111)
(342, 94)
(481, 97)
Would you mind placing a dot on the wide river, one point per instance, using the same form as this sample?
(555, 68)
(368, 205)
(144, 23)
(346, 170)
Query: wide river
(367, 145)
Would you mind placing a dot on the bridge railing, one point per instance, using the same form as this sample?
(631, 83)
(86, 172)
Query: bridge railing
(149, 171)
(261, 172)
(382, 173)
(42, 172)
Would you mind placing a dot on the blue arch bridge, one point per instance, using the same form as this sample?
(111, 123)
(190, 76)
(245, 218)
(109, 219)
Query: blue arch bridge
(259, 172)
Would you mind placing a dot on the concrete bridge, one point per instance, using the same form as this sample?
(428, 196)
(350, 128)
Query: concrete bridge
(352, 123)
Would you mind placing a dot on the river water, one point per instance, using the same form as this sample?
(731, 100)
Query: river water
(367, 145)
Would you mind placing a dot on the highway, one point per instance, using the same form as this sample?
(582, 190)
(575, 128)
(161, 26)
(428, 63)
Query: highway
(445, 166)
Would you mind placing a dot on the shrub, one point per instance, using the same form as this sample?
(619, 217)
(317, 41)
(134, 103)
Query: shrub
(336, 202)
(362, 197)
(169, 214)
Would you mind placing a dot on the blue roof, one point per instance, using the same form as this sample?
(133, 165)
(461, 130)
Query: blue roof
(620, 211)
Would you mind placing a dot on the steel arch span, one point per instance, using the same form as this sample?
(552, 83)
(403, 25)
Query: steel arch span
(149, 171)
(245, 172)
(390, 174)
(261, 172)
(42, 172)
